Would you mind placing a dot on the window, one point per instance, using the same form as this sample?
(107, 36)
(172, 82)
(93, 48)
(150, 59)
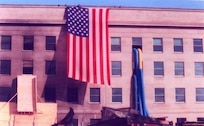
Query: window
(4, 94)
(50, 94)
(5, 42)
(199, 94)
(28, 43)
(116, 67)
(72, 95)
(159, 95)
(197, 45)
(94, 94)
(116, 94)
(157, 45)
(5, 67)
(180, 94)
(50, 67)
(27, 67)
(178, 45)
(158, 68)
(137, 42)
(50, 43)
(115, 44)
(181, 120)
(179, 68)
(201, 119)
(199, 68)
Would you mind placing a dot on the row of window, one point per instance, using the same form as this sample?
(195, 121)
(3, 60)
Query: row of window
(179, 94)
(5, 67)
(50, 43)
(158, 44)
(178, 68)
(50, 67)
(28, 42)
(72, 94)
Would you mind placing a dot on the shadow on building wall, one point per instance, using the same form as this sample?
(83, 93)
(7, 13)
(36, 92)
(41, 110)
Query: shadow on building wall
(67, 90)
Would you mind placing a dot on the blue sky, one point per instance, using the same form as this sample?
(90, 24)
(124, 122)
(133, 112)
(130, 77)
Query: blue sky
(191, 4)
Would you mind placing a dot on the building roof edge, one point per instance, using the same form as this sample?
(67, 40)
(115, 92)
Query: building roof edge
(111, 7)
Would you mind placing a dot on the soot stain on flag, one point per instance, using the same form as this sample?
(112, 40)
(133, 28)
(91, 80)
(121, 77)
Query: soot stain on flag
(78, 21)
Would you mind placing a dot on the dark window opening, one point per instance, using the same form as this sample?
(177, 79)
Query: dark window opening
(200, 94)
(116, 67)
(198, 45)
(28, 43)
(6, 42)
(178, 45)
(158, 68)
(200, 119)
(159, 95)
(94, 94)
(72, 95)
(50, 68)
(137, 42)
(181, 120)
(180, 94)
(117, 95)
(50, 43)
(50, 94)
(4, 94)
(27, 67)
(157, 44)
(5, 67)
(115, 44)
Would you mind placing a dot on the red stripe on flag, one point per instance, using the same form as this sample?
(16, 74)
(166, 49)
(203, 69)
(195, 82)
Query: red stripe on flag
(101, 44)
(107, 48)
(80, 58)
(68, 53)
(74, 57)
(87, 60)
(94, 44)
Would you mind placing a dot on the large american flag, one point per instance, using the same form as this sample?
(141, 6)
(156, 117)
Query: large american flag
(88, 44)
